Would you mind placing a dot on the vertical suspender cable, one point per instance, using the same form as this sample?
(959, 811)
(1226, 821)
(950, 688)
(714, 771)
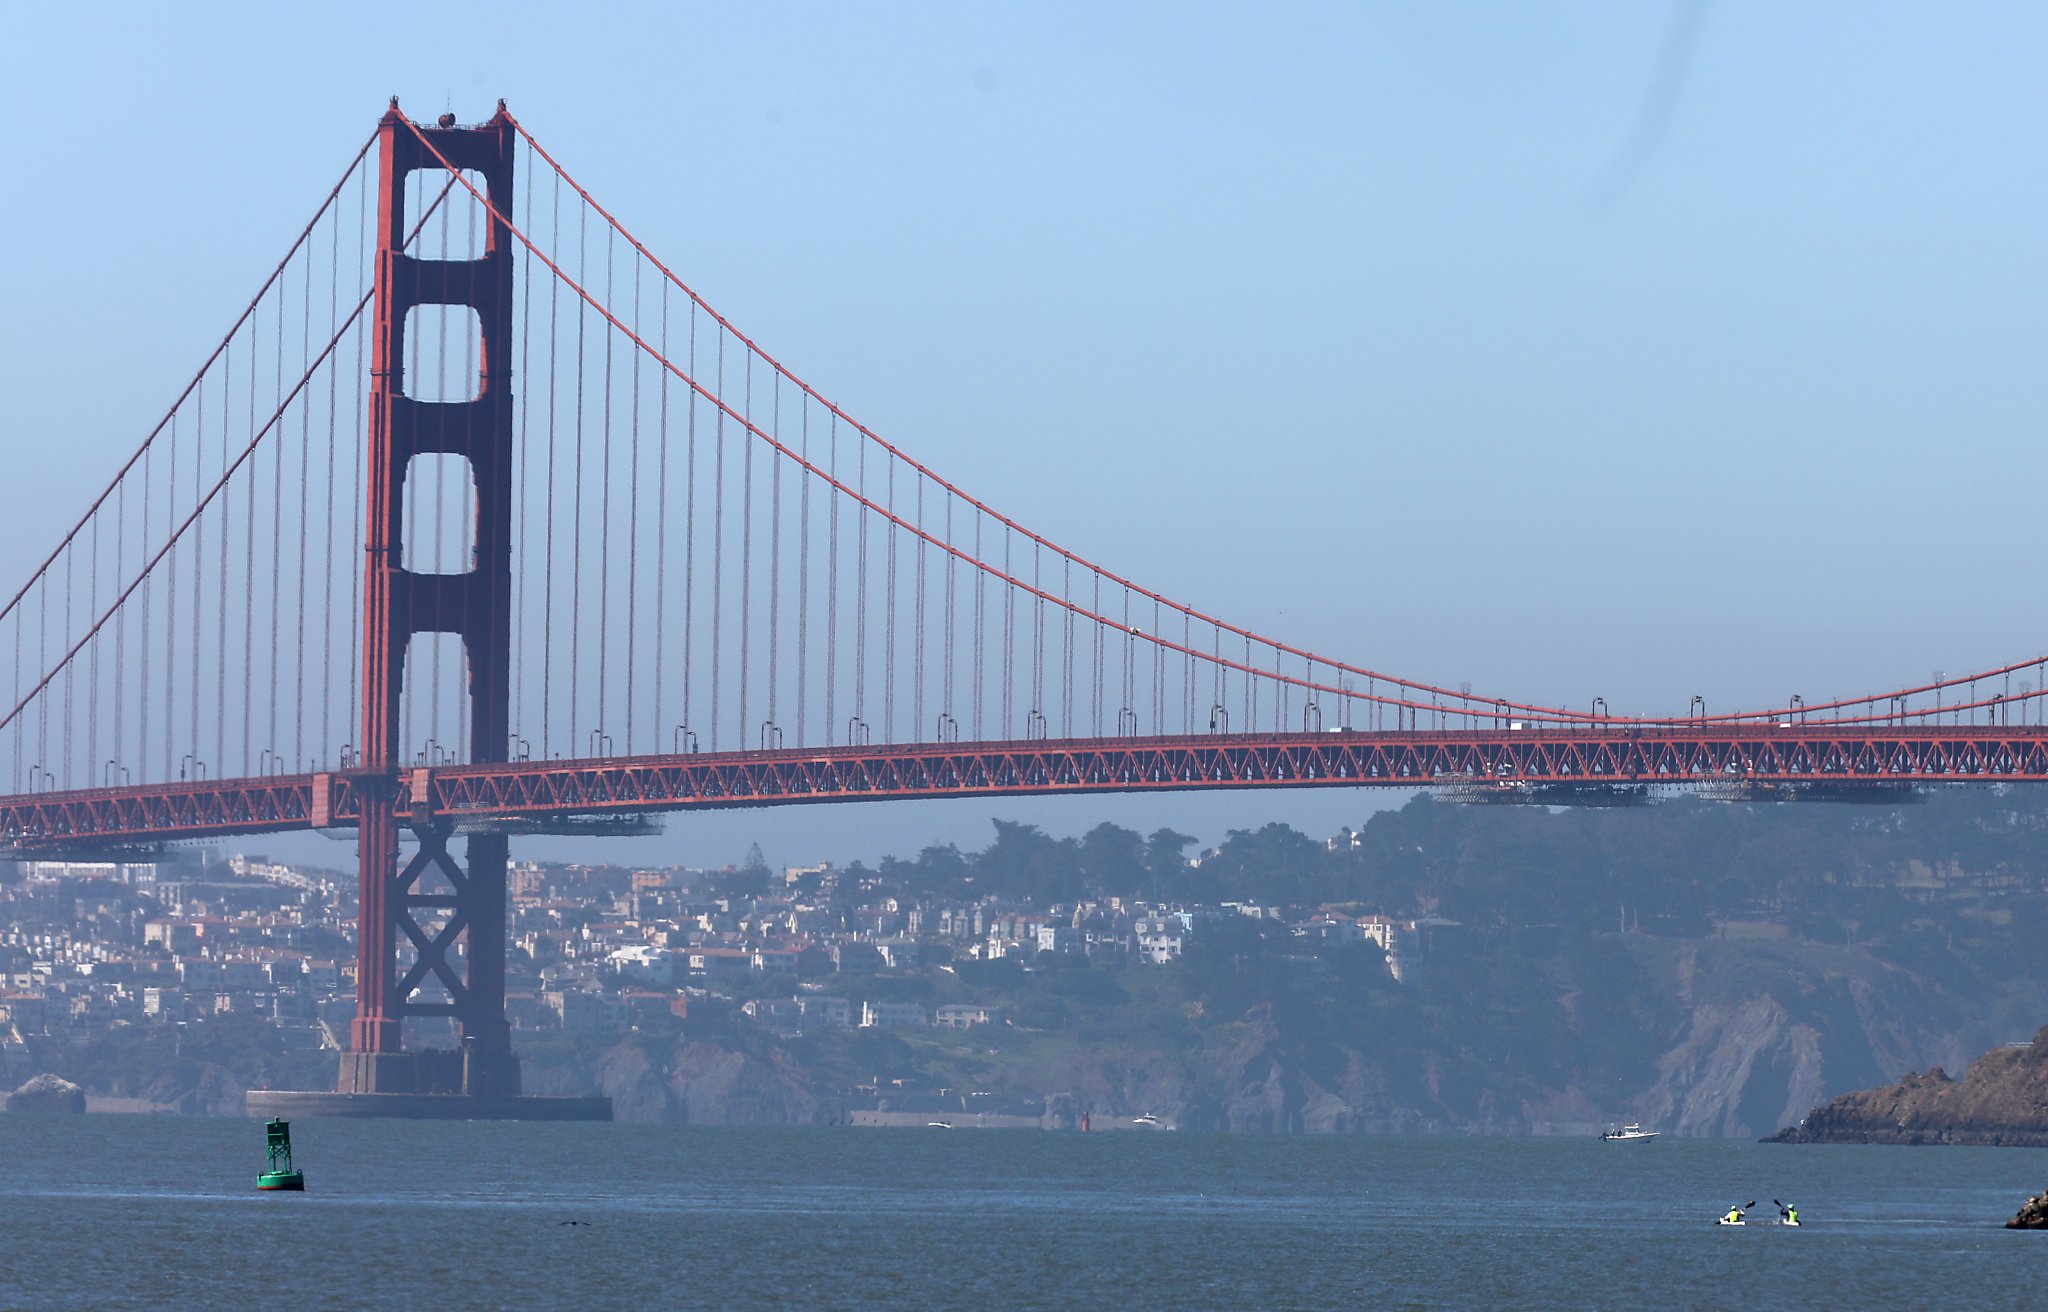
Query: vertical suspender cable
(660, 672)
(889, 616)
(946, 651)
(172, 629)
(860, 609)
(1067, 645)
(604, 514)
(298, 634)
(327, 561)
(774, 555)
(92, 676)
(1007, 726)
(917, 721)
(64, 723)
(1251, 691)
(576, 499)
(199, 594)
(43, 663)
(1158, 675)
(803, 568)
(717, 538)
(746, 542)
(1130, 688)
(276, 549)
(42, 761)
(832, 586)
(19, 728)
(980, 667)
(121, 620)
(358, 512)
(1280, 690)
(633, 515)
(1038, 653)
(690, 527)
(1219, 682)
(146, 636)
(547, 600)
(1101, 657)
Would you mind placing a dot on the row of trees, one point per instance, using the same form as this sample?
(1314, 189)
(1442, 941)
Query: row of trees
(1672, 869)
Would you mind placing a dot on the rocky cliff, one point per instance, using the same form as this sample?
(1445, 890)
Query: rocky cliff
(1690, 1037)
(2001, 1100)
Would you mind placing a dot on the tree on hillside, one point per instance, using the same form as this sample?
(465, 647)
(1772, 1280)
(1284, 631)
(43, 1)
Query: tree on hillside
(1023, 862)
(1112, 859)
(1276, 863)
(939, 871)
(1166, 861)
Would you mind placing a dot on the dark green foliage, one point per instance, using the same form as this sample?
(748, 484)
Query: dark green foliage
(1113, 857)
(1165, 861)
(1522, 982)
(1024, 863)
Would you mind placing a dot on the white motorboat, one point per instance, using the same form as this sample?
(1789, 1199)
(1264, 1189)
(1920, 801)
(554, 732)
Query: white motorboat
(1629, 1133)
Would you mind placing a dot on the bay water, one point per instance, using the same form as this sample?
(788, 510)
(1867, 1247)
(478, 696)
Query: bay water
(154, 1212)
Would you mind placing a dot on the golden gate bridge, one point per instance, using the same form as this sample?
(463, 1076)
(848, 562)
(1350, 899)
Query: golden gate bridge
(480, 521)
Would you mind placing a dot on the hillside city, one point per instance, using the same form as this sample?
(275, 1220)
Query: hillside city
(1718, 969)
(95, 946)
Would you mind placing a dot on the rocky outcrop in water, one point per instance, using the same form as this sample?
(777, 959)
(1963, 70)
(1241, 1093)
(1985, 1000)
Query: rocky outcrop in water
(2033, 1214)
(47, 1093)
(2002, 1100)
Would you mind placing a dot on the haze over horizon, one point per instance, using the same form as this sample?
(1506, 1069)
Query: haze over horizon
(1639, 352)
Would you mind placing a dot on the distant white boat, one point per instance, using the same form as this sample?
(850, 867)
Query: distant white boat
(938, 1125)
(1628, 1134)
(1148, 1119)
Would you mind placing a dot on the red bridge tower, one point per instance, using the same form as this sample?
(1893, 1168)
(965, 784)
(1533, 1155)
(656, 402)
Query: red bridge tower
(400, 602)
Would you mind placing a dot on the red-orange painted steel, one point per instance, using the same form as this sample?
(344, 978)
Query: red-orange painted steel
(1677, 757)
(399, 603)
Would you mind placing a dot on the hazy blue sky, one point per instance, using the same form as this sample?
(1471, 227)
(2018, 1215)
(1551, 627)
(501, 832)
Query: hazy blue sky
(1624, 349)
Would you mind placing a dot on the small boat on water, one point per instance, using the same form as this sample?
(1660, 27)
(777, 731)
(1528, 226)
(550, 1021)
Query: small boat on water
(1629, 1133)
(1149, 1121)
(938, 1125)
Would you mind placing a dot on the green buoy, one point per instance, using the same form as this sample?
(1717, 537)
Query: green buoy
(281, 1175)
